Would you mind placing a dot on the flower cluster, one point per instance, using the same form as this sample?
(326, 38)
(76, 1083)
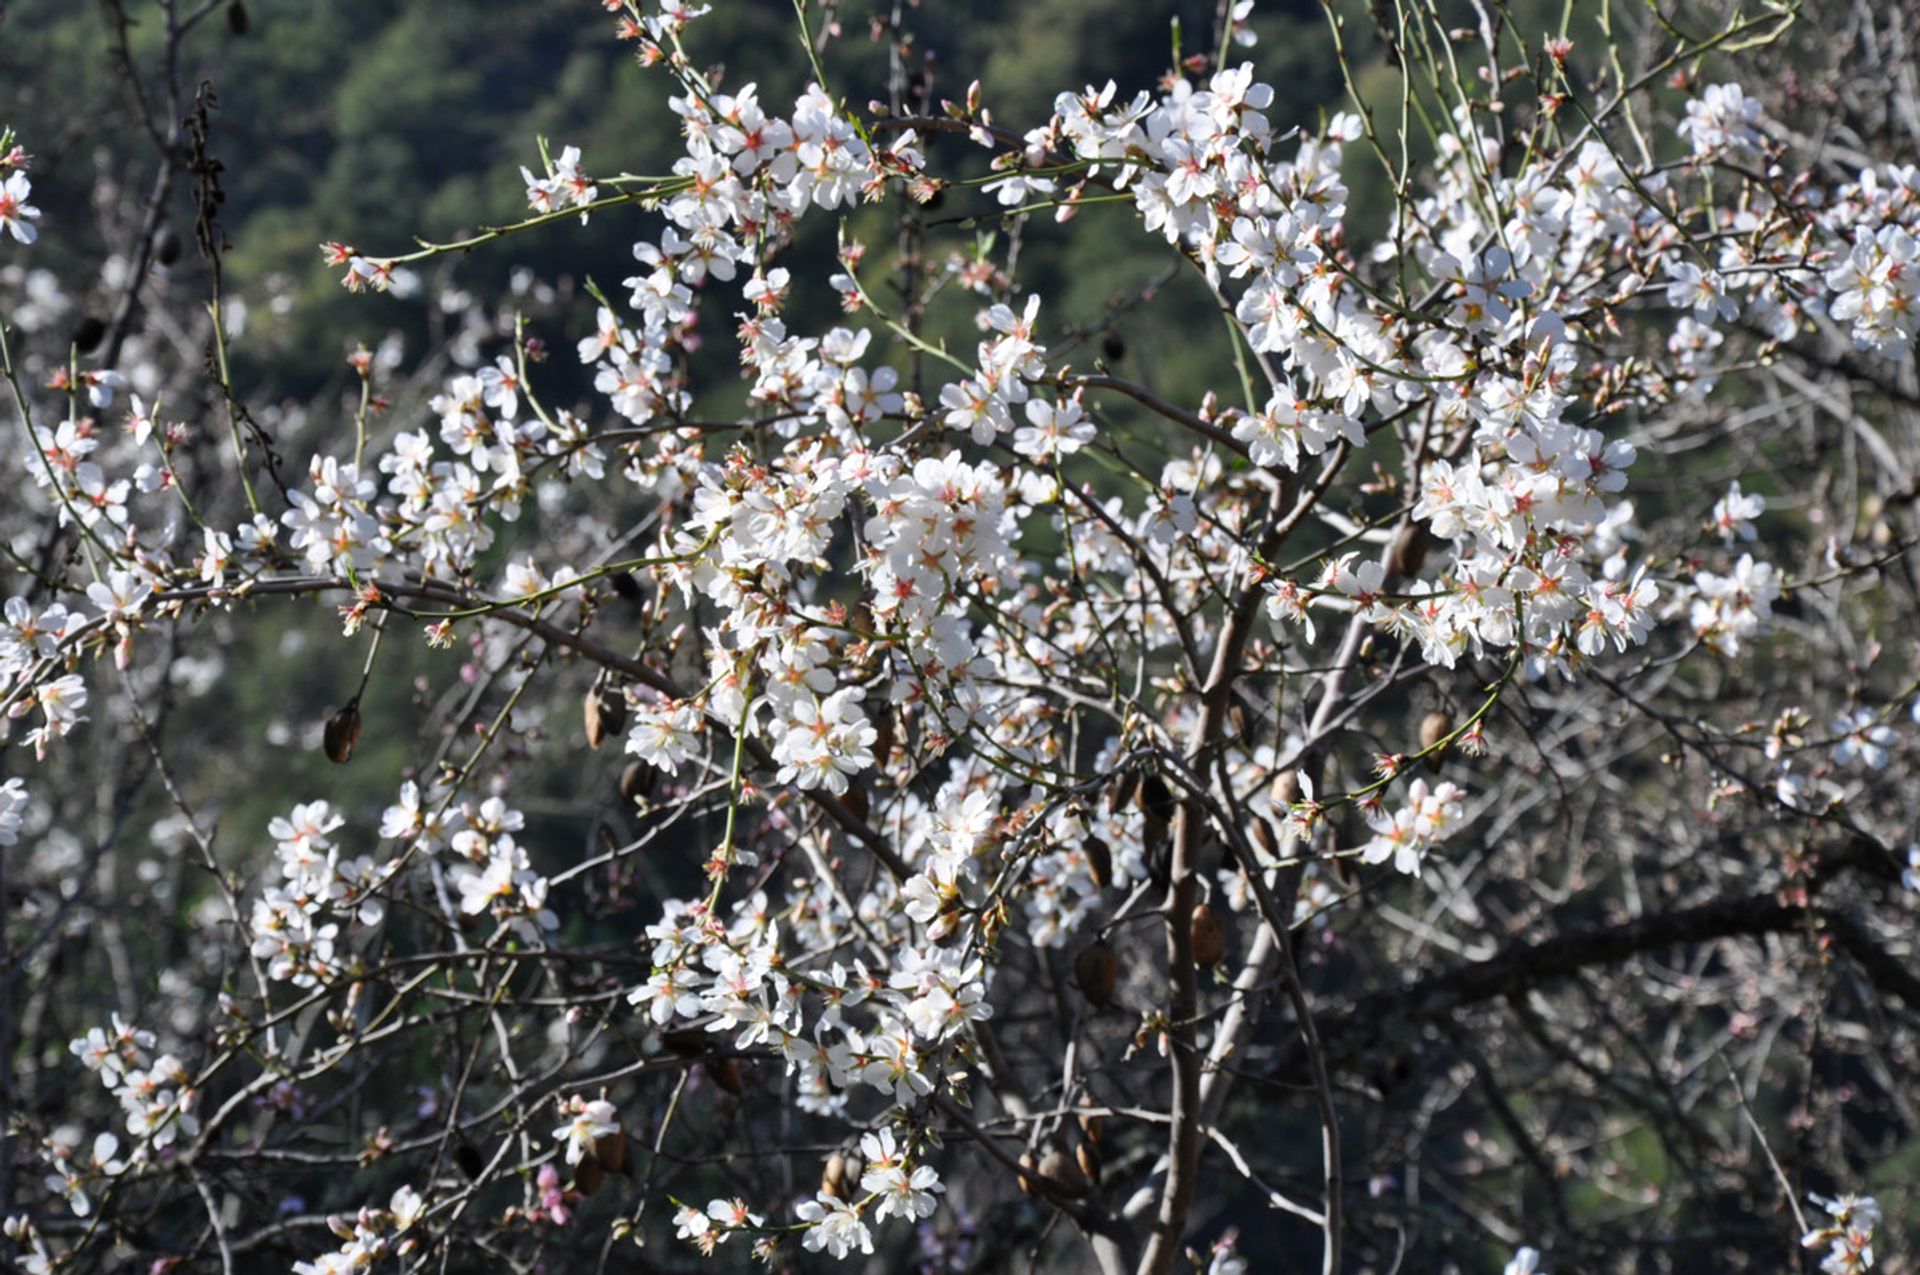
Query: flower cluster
(1847, 1234)
(370, 1235)
(156, 1096)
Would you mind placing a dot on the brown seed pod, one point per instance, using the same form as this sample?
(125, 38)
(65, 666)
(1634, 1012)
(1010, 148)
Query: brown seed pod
(1157, 844)
(1208, 935)
(1123, 791)
(1409, 551)
(1092, 1126)
(626, 587)
(342, 733)
(1099, 862)
(1096, 970)
(883, 732)
(1263, 836)
(841, 1176)
(1237, 720)
(1088, 1157)
(1029, 1169)
(611, 1151)
(1434, 727)
(1286, 789)
(89, 333)
(1156, 802)
(635, 779)
(1061, 1173)
(605, 711)
(471, 1162)
(725, 1072)
(588, 1175)
(614, 711)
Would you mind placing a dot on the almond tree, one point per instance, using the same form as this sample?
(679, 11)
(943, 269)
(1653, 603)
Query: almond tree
(1439, 799)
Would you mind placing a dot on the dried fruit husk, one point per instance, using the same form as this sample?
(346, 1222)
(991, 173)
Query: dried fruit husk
(635, 779)
(1099, 862)
(1063, 1174)
(89, 333)
(1263, 836)
(588, 1175)
(468, 1157)
(1096, 970)
(1157, 843)
(1409, 551)
(1156, 802)
(611, 1151)
(1124, 791)
(841, 1176)
(341, 734)
(883, 732)
(1093, 1127)
(627, 587)
(1088, 1157)
(1029, 1169)
(1207, 934)
(725, 1072)
(605, 711)
(1286, 789)
(1434, 727)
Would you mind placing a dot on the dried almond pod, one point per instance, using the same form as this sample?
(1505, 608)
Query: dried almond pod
(1157, 844)
(605, 711)
(1263, 836)
(471, 1162)
(627, 587)
(342, 733)
(1124, 790)
(725, 1072)
(1285, 790)
(588, 1175)
(1156, 801)
(841, 1176)
(635, 779)
(883, 734)
(1237, 720)
(1063, 1174)
(1409, 551)
(1087, 1156)
(611, 1151)
(1099, 862)
(1434, 727)
(1096, 970)
(1029, 1170)
(89, 333)
(1207, 934)
(1092, 1126)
